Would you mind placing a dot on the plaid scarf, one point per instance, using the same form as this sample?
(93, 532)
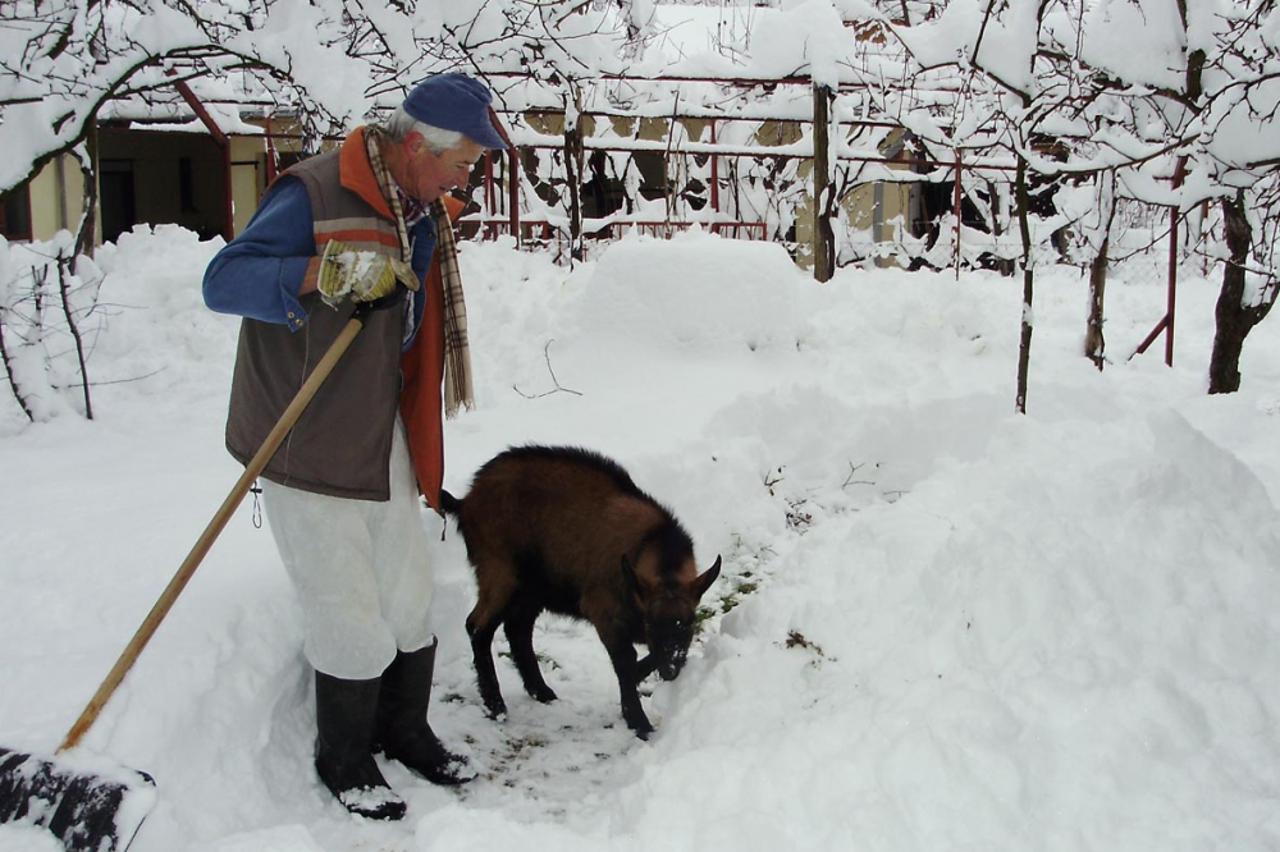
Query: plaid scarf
(458, 391)
(457, 352)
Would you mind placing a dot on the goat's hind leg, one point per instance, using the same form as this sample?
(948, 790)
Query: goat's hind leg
(482, 623)
(521, 615)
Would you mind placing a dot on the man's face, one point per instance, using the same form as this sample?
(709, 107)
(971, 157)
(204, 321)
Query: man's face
(429, 176)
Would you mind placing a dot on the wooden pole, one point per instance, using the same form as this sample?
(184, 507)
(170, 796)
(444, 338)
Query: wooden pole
(188, 567)
(823, 253)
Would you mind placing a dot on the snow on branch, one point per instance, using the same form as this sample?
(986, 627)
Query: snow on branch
(328, 61)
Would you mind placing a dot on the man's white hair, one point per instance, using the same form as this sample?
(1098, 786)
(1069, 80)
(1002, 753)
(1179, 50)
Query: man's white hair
(439, 140)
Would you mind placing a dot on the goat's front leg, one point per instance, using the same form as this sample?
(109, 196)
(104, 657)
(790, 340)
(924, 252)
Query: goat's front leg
(648, 665)
(623, 656)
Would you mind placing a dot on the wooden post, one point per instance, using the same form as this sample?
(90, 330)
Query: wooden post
(823, 248)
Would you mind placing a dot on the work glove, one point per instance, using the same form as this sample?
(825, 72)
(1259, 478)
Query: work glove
(362, 276)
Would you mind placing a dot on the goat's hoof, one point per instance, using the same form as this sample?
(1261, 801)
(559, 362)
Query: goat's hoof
(642, 730)
(546, 695)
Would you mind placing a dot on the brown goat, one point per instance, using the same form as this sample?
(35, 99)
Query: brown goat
(566, 530)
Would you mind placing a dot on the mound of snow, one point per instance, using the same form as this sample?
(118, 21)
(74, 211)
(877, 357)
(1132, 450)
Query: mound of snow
(695, 290)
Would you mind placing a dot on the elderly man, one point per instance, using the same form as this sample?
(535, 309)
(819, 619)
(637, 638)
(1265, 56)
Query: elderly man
(368, 223)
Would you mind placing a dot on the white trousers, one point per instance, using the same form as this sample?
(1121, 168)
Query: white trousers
(360, 570)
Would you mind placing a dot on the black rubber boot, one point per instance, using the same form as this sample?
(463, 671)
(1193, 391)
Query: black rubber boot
(345, 713)
(402, 731)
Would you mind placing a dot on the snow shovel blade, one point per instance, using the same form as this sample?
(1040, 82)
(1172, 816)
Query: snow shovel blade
(90, 808)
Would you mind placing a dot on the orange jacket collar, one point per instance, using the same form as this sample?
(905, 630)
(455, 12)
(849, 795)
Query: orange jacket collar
(356, 174)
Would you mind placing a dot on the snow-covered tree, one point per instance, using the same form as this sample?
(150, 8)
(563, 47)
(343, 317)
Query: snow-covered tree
(62, 60)
(1160, 101)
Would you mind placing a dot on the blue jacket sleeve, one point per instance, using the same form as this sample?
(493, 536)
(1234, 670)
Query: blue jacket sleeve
(258, 273)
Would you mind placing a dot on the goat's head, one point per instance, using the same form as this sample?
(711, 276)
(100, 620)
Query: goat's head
(667, 597)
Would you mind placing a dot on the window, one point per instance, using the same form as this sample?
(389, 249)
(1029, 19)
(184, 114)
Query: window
(116, 197)
(15, 214)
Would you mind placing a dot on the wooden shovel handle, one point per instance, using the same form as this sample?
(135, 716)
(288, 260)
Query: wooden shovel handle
(211, 532)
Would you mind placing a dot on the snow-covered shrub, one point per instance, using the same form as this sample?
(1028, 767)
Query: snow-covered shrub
(44, 309)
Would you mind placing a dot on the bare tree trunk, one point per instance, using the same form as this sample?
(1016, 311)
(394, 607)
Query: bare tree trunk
(824, 249)
(1004, 265)
(1095, 345)
(1028, 288)
(64, 291)
(573, 184)
(13, 380)
(86, 236)
(1234, 318)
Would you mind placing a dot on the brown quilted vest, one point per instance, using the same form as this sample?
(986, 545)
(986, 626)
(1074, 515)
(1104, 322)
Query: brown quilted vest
(341, 445)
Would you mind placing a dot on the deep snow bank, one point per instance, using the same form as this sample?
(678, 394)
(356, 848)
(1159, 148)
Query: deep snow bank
(940, 625)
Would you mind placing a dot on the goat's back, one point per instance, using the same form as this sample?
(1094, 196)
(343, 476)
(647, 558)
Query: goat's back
(575, 509)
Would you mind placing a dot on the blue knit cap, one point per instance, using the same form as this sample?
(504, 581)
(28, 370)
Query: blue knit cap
(455, 102)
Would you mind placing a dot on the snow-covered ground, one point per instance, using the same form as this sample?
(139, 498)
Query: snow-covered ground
(941, 625)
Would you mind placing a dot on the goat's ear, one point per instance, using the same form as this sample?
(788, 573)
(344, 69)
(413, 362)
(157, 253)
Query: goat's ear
(707, 578)
(629, 572)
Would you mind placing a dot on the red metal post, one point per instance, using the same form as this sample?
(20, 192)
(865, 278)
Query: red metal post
(1171, 298)
(1150, 338)
(1166, 323)
(513, 188)
(513, 192)
(488, 184)
(715, 173)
